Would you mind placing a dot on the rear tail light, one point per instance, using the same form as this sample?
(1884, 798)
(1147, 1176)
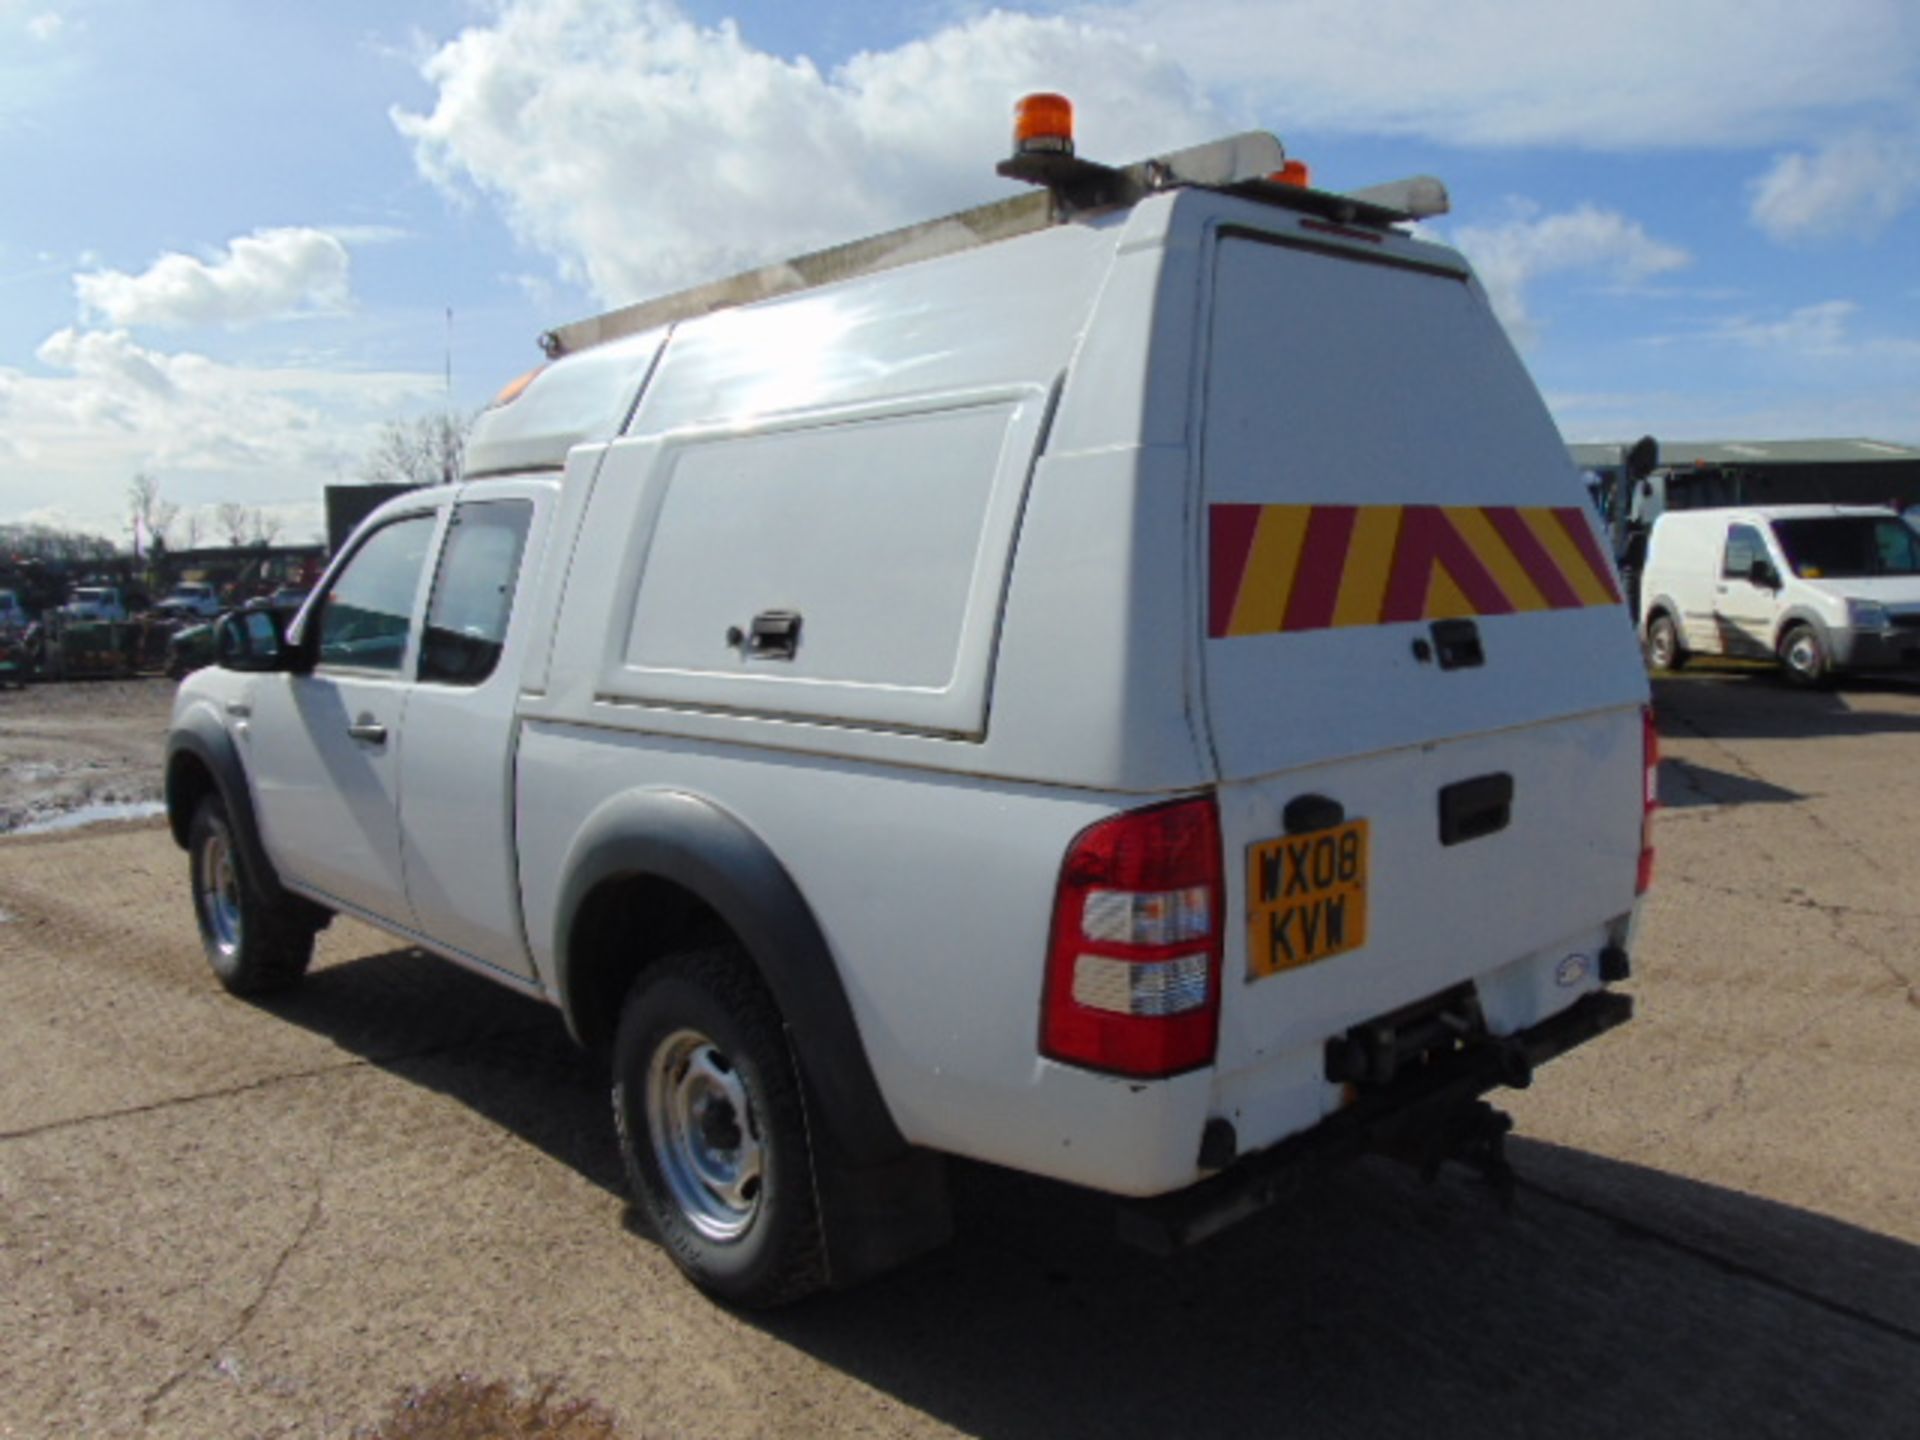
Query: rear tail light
(1650, 795)
(1133, 969)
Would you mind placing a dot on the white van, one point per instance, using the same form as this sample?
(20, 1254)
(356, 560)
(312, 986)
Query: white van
(1819, 588)
(1122, 683)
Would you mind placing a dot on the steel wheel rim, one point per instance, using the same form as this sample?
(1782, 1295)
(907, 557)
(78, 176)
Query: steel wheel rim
(705, 1135)
(1662, 646)
(1801, 654)
(220, 893)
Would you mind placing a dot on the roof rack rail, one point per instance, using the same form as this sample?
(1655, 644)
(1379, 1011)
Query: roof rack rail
(1242, 165)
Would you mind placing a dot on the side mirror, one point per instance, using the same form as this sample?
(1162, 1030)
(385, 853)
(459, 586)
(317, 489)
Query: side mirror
(1762, 573)
(254, 640)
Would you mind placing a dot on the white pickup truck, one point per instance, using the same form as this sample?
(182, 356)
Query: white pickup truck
(192, 598)
(1121, 684)
(95, 602)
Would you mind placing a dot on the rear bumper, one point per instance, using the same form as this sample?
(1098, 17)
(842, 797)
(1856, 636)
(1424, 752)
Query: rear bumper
(1403, 1118)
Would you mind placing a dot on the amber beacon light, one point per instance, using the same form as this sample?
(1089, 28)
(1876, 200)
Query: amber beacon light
(1043, 125)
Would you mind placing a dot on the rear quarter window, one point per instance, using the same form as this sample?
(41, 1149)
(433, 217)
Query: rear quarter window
(473, 592)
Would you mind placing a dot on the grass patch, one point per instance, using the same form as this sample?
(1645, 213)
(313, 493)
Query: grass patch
(467, 1408)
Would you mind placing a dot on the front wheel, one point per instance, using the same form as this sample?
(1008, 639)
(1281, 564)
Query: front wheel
(257, 946)
(712, 1129)
(1804, 658)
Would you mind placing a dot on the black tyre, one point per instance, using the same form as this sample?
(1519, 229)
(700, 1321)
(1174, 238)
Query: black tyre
(712, 1129)
(256, 945)
(1804, 658)
(1663, 644)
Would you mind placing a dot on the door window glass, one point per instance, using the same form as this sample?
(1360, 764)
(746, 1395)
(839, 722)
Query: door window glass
(1849, 545)
(473, 593)
(368, 614)
(1743, 548)
(1899, 547)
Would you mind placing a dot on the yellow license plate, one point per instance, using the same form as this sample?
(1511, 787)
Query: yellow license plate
(1306, 898)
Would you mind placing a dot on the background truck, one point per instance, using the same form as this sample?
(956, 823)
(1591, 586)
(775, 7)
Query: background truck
(95, 602)
(191, 599)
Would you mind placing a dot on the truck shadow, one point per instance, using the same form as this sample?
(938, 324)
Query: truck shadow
(1617, 1299)
(1685, 784)
(1379, 1306)
(1757, 705)
(444, 1029)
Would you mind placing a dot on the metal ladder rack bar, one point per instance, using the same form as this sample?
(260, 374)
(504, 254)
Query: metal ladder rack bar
(948, 235)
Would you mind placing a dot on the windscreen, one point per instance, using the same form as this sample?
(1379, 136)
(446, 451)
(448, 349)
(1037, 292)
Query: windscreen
(1849, 546)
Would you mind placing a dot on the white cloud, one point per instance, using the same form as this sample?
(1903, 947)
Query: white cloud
(269, 274)
(1822, 331)
(1810, 330)
(1856, 184)
(645, 151)
(367, 234)
(1511, 256)
(209, 430)
(1625, 75)
(46, 25)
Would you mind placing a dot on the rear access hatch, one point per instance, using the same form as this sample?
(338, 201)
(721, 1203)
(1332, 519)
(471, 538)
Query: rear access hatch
(1422, 689)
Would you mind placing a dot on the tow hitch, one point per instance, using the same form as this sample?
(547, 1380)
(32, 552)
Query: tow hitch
(1425, 1108)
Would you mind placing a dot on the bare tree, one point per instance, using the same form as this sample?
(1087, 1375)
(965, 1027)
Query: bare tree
(143, 503)
(231, 517)
(45, 542)
(193, 524)
(262, 528)
(160, 527)
(426, 451)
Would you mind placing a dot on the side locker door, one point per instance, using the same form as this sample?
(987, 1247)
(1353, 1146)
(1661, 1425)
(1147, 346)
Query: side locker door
(457, 798)
(326, 746)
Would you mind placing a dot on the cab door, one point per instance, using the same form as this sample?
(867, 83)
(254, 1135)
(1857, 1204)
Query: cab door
(327, 746)
(1744, 612)
(456, 799)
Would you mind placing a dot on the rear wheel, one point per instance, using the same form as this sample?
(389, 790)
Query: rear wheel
(1663, 644)
(712, 1130)
(256, 945)
(1804, 658)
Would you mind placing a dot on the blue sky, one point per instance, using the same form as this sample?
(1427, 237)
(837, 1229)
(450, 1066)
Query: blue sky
(230, 232)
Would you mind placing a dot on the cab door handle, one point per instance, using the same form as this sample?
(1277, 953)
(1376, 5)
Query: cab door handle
(367, 729)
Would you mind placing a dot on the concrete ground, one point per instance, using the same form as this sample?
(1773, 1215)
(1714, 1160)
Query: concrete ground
(220, 1219)
(90, 746)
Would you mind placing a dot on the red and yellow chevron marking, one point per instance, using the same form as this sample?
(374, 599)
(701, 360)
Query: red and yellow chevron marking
(1313, 567)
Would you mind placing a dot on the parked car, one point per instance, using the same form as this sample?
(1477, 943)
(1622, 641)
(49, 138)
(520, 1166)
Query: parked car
(287, 597)
(1822, 589)
(1123, 685)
